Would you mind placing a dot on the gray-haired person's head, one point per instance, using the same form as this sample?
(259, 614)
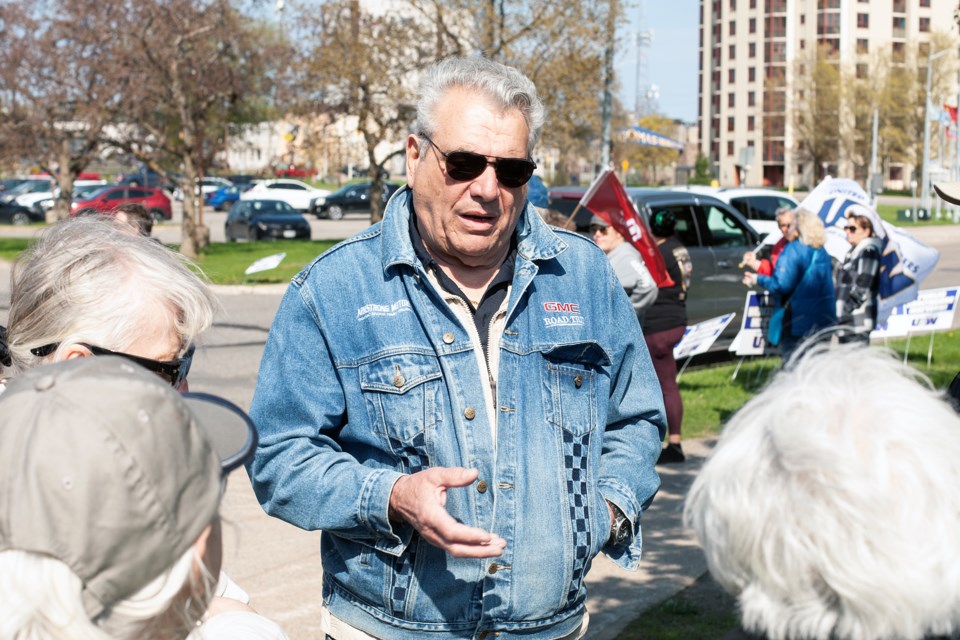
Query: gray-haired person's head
(830, 505)
(86, 280)
(506, 87)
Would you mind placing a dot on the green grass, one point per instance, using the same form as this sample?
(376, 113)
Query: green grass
(10, 248)
(711, 394)
(682, 617)
(888, 212)
(225, 263)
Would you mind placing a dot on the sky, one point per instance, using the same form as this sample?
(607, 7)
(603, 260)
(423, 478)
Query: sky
(671, 58)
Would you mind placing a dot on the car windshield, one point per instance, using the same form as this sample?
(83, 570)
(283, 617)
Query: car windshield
(266, 208)
(92, 193)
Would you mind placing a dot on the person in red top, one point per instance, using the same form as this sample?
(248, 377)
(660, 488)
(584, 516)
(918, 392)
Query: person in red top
(788, 227)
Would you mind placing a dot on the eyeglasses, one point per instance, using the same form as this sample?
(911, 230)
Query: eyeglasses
(850, 228)
(596, 228)
(173, 371)
(466, 165)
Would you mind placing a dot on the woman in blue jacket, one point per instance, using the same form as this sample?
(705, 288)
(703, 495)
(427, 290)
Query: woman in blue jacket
(802, 283)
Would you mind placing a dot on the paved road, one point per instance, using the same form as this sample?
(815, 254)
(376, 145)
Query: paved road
(279, 565)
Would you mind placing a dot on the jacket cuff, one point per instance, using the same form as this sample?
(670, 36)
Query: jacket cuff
(374, 506)
(626, 555)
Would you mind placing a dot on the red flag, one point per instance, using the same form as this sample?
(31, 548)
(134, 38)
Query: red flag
(607, 199)
(953, 113)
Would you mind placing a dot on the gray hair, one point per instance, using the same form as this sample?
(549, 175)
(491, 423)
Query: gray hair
(87, 280)
(832, 495)
(505, 86)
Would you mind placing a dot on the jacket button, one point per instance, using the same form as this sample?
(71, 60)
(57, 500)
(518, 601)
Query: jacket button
(398, 381)
(482, 486)
(578, 381)
(448, 337)
(469, 413)
(493, 568)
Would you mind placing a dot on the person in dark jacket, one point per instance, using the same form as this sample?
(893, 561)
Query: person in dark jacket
(858, 281)
(802, 282)
(664, 325)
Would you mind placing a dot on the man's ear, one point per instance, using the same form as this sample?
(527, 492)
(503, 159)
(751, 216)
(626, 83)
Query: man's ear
(74, 351)
(414, 149)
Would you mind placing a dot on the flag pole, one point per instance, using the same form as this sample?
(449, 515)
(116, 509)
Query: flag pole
(566, 223)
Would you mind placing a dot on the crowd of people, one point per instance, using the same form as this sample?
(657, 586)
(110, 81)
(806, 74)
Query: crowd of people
(468, 425)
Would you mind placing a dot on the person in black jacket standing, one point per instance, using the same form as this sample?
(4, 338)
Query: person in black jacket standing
(664, 325)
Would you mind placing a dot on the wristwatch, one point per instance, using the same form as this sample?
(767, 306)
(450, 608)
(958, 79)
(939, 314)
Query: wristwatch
(621, 529)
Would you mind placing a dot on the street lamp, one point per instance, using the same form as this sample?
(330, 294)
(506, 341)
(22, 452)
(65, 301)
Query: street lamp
(925, 179)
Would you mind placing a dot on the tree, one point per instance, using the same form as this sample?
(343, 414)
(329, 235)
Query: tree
(646, 158)
(361, 63)
(59, 86)
(203, 66)
(818, 113)
(701, 170)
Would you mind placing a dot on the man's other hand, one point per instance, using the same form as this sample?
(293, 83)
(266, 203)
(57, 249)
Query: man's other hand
(420, 500)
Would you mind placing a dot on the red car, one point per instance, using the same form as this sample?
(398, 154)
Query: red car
(293, 171)
(108, 198)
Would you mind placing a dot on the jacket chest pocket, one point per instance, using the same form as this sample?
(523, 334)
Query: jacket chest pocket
(570, 387)
(402, 393)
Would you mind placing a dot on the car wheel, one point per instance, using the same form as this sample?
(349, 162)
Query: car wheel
(335, 213)
(158, 215)
(20, 218)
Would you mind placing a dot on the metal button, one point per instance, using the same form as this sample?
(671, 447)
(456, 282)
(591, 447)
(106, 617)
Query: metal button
(469, 413)
(578, 381)
(399, 381)
(493, 568)
(482, 486)
(448, 337)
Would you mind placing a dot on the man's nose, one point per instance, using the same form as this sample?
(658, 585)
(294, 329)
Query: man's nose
(485, 186)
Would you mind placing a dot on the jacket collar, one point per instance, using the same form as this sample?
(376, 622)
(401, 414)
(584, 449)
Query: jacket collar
(535, 240)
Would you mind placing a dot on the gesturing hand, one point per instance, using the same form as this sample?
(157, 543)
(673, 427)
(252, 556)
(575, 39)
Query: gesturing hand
(419, 499)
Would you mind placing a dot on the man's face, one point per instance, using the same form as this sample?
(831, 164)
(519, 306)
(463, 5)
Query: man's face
(606, 237)
(785, 222)
(467, 223)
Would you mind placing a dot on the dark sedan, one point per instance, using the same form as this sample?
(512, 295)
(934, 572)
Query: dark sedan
(349, 198)
(265, 220)
(11, 213)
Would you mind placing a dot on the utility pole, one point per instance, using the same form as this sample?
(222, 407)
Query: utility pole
(607, 114)
(925, 174)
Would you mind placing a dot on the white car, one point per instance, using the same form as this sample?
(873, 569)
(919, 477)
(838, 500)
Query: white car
(298, 195)
(759, 206)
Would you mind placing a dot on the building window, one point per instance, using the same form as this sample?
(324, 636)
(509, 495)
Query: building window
(733, 5)
(731, 75)
(730, 123)
(730, 147)
(751, 98)
(753, 25)
(899, 6)
(733, 27)
(899, 52)
(924, 3)
(862, 71)
(899, 27)
(863, 45)
(753, 4)
(730, 100)
(828, 24)
(924, 25)
(732, 51)
(803, 18)
(863, 20)
(751, 74)
(752, 49)
(751, 121)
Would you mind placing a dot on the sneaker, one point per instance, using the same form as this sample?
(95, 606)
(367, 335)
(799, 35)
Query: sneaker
(671, 453)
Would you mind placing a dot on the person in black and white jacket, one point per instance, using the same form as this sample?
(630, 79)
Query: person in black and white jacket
(858, 281)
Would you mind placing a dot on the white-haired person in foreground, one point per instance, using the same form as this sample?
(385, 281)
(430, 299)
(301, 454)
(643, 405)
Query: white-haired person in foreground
(89, 287)
(111, 485)
(830, 507)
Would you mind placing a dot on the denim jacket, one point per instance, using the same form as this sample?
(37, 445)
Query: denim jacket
(368, 374)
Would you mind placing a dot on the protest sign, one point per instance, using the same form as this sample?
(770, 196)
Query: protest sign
(700, 337)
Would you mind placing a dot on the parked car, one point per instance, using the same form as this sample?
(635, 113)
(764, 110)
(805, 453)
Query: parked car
(265, 219)
(207, 184)
(80, 192)
(143, 177)
(11, 213)
(715, 234)
(758, 206)
(30, 185)
(347, 199)
(293, 171)
(108, 198)
(224, 197)
(298, 195)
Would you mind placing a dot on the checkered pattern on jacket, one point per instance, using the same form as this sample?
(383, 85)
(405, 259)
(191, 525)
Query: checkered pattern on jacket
(857, 284)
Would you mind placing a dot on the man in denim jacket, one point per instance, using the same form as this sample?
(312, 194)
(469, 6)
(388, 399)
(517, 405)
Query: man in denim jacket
(460, 397)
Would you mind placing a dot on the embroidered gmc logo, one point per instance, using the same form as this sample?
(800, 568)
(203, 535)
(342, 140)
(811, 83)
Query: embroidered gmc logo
(561, 307)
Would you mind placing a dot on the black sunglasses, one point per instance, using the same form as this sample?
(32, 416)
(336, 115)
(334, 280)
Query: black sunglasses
(850, 228)
(466, 165)
(173, 371)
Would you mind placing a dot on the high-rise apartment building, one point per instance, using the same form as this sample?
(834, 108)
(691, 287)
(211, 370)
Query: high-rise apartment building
(749, 51)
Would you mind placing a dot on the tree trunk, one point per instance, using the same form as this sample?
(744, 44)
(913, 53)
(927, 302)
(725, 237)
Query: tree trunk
(61, 206)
